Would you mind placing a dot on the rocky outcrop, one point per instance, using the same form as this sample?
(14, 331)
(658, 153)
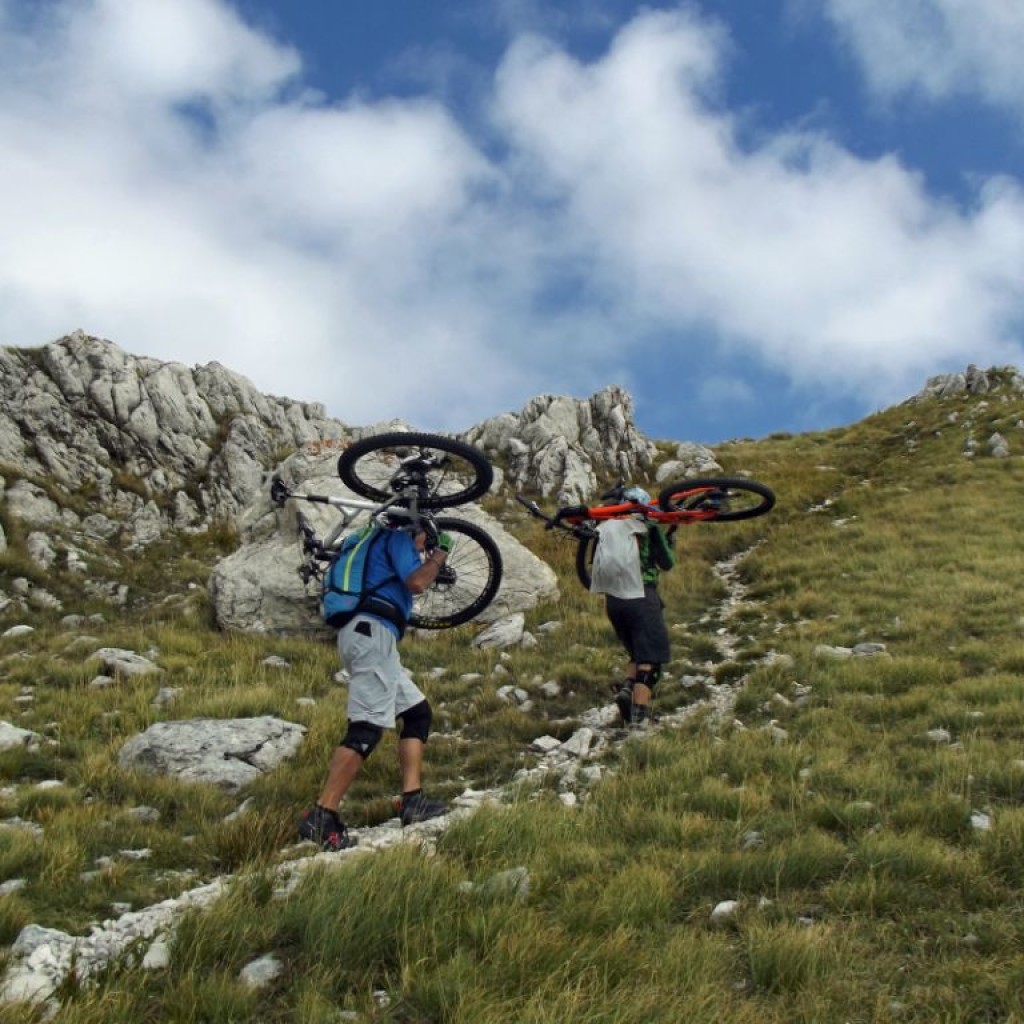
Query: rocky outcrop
(164, 446)
(973, 381)
(562, 447)
(150, 446)
(690, 460)
(148, 440)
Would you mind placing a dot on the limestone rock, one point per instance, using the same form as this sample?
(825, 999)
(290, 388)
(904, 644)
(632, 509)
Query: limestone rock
(229, 753)
(83, 414)
(559, 446)
(12, 737)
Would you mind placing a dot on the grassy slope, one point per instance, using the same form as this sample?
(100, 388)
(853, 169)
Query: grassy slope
(865, 891)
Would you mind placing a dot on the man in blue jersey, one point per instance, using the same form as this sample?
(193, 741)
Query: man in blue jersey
(381, 692)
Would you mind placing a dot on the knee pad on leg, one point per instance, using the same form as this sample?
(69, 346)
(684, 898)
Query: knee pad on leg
(649, 676)
(416, 722)
(362, 737)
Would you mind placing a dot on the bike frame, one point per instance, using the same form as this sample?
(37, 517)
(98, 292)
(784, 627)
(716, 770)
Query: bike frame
(571, 520)
(409, 494)
(352, 508)
(600, 513)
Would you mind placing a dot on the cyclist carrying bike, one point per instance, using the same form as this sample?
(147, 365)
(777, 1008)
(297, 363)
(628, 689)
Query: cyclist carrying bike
(380, 691)
(626, 572)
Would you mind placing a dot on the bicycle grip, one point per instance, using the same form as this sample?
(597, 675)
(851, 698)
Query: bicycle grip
(279, 492)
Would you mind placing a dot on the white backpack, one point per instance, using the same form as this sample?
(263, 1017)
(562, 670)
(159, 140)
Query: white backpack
(616, 568)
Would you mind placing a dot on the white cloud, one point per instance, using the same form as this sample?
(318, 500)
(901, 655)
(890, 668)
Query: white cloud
(832, 268)
(189, 208)
(168, 184)
(938, 48)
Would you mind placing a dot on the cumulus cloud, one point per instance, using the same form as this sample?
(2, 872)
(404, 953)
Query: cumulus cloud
(170, 186)
(828, 266)
(937, 49)
(169, 182)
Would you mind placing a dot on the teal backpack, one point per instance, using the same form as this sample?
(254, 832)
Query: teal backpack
(344, 588)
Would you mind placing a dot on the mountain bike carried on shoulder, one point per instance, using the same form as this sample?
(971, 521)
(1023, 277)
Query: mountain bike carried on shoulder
(700, 500)
(407, 477)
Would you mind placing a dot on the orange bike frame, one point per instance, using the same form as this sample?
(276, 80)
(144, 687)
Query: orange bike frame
(652, 512)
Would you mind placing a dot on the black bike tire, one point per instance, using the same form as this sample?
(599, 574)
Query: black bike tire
(483, 472)
(765, 493)
(474, 557)
(585, 559)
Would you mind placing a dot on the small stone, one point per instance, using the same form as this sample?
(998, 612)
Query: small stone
(724, 911)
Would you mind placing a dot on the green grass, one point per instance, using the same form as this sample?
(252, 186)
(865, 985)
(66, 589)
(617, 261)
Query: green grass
(866, 889)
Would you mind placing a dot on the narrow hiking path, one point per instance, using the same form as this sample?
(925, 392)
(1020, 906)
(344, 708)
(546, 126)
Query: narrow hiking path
(43, 958)
(719, 697)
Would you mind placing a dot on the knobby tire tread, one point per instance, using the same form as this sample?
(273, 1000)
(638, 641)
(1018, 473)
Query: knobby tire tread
(476, 461)
(765, 493)
(585, 559)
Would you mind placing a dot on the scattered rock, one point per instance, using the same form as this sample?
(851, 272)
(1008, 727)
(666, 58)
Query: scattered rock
(229, 753)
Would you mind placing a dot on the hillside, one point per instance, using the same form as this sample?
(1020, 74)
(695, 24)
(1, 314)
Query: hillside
(825, 826)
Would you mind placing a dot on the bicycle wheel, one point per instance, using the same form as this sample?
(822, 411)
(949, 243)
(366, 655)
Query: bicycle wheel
(466, 584)
(717, 499)
(439, 471)
(585, 559)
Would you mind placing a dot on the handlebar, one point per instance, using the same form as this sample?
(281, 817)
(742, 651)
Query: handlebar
(616, 494)
(280, 493)
(557, 521)
(533, 508)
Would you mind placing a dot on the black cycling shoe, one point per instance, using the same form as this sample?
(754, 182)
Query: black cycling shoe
(624, 702)
(420, 808)
(639, 717)
(325, 828)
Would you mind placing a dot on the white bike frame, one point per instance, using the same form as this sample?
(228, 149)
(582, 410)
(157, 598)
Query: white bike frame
(352, 508)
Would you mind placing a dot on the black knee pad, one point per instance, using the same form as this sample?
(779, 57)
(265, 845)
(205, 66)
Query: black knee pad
(416, 722)
(362, 737)
(648, 676)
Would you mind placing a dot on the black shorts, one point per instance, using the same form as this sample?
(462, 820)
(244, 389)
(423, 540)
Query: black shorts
(639, 623)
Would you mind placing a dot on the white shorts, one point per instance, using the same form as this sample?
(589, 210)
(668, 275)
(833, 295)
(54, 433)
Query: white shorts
(379, 688)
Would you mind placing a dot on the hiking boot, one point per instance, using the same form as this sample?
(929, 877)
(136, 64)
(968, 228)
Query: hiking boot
(639, 717)
(420, 808)
(624, 702)
(325, 828)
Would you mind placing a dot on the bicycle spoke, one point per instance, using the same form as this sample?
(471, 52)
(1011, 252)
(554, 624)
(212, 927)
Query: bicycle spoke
(466, 584)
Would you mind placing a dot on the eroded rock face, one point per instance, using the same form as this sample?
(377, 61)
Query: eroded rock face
(560, 447)
(166, 445)
(161, 446)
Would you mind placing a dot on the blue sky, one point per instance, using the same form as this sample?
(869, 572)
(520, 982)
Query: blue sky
(755, 215)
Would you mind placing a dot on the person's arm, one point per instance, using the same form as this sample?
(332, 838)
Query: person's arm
(422, 578)
(661, 553)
